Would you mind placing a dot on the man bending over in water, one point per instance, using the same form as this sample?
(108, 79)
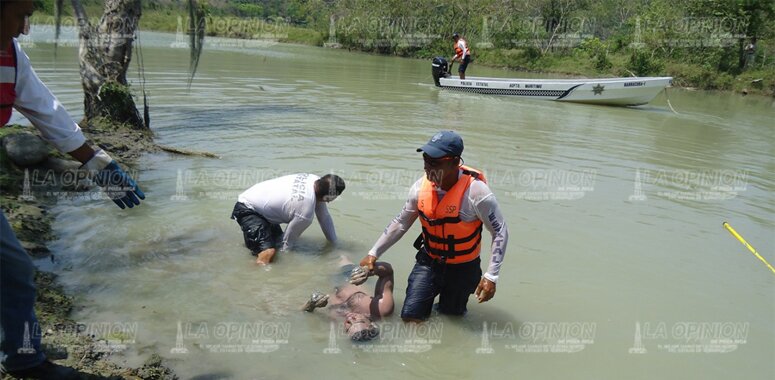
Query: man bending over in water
(353, 303)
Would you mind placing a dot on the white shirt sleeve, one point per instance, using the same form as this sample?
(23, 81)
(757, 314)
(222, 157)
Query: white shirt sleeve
(489, 213)
(325, 221)
(463, 47)
(399, 225)
(36, 102)
(293, 231)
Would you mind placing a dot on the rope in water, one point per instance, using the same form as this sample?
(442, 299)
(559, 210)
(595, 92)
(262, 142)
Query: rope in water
(745, 243)
(668, 102)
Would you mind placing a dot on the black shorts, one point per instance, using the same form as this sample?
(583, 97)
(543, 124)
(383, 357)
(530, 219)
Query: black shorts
(260, 234)
(464, 65)
(454, 283)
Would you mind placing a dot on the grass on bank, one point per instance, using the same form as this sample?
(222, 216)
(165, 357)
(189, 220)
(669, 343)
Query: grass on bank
(588, 60)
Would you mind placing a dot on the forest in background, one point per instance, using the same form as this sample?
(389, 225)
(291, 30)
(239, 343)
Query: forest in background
(701, 43)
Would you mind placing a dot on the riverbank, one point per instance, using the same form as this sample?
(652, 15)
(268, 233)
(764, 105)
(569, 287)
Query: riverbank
(63, 339)
(591, 58)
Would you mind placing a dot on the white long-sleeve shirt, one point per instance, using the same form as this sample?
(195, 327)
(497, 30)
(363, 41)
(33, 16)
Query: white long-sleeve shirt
(36, 102)
(478, 203)
(462, 45)
(290, 199)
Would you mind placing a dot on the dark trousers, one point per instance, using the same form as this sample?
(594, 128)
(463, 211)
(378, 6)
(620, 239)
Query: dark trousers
(21, 333)
(259, 233)
(453, 283)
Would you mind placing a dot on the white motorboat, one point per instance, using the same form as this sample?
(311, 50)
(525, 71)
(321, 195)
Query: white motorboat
(629, 91)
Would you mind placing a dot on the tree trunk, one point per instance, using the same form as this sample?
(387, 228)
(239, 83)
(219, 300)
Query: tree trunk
(104, 53)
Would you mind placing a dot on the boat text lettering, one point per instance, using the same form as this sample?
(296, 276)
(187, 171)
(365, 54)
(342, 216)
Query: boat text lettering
(465, 83)
(533, 85)
(634, 84)
(514, 85)
(481, 84)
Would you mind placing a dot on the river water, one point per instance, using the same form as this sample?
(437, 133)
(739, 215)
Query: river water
(617, 266)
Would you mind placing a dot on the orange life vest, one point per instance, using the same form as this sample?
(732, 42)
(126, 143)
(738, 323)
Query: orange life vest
(445, 235)
(459, 52)
(7, 83)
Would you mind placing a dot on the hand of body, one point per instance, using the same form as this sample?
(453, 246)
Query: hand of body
(119, 186)
(360, 274)
(316, 299)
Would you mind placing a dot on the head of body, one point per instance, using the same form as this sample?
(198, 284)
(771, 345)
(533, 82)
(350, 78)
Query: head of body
(455, 37)
(360, 328)
(442, 158)
(328, 187)
(14, 20)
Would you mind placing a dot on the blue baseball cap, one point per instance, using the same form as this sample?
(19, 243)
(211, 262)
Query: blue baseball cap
(444, 143)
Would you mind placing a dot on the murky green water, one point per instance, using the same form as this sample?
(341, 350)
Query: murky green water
(617, 267)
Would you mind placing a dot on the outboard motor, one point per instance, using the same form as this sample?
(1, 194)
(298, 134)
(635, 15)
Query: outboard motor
(439, 69)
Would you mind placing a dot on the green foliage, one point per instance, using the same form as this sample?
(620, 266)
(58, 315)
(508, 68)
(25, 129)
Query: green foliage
(249, 10)
(45, 6)
(643, 63)
(303, 36)
(598, 52)
(116, 101)
(699, 42)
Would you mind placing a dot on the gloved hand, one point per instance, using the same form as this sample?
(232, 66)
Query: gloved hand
(316, 299)
(359, 275)
(119, 187)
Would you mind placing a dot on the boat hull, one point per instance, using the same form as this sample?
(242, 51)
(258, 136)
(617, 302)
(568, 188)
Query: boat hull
(608, 91)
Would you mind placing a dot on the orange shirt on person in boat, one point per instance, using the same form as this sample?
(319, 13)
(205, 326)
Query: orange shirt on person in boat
(461, 49)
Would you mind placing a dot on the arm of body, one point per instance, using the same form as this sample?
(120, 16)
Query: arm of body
(396, 229)
(382, 303)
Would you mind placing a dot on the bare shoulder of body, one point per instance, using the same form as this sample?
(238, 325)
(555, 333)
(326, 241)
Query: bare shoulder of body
(351, 298)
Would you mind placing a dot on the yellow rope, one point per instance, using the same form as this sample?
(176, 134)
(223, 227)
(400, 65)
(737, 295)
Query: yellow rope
(745, 243)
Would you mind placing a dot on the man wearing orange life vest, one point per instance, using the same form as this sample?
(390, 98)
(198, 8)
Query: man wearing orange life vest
(462, 54)
(453, 203)
(21, 89)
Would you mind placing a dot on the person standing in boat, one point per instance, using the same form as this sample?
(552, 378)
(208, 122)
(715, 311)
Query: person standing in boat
(462, 54)
(750, 54)
(294, 199)
(453, 202)
(21, 89)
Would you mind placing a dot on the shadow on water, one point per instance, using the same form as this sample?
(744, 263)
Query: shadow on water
(213, 376)
(233, 113)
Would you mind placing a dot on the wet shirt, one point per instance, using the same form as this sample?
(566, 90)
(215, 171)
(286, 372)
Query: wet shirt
(478, 203)
(290, 199)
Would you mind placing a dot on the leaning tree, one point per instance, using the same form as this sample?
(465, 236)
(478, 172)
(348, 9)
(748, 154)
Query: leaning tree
(105, 51)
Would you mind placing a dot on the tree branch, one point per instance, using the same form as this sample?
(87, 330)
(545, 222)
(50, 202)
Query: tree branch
(83, 19)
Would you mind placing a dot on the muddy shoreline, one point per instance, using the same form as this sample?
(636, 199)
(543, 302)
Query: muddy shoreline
(63, 339)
